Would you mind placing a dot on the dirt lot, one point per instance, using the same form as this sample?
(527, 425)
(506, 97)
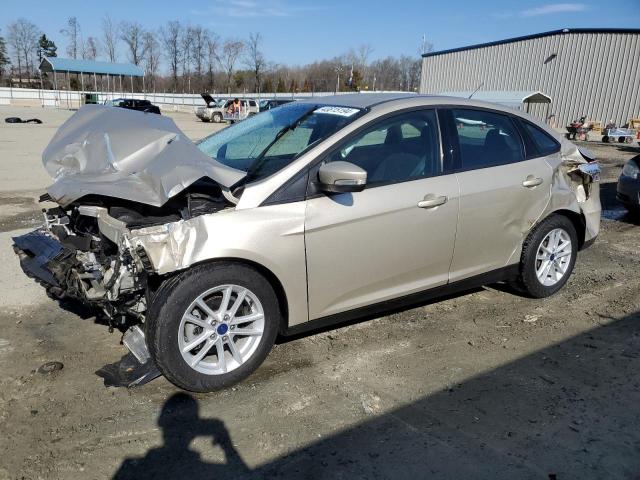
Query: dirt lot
(483, 385)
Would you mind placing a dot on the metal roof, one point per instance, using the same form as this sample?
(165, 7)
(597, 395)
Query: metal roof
(535, 35)
(509, 98)
(72, 65)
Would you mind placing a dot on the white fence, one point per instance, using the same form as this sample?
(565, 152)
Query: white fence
(171, 101)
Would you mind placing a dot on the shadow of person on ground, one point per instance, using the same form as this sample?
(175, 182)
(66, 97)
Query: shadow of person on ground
(180, 423)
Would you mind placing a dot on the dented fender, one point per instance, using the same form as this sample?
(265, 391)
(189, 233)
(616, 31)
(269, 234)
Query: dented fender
(256, 235)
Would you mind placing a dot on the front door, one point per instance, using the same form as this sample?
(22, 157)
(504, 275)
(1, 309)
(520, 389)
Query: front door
(395, 237)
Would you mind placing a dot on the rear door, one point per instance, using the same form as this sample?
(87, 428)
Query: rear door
(502, 191)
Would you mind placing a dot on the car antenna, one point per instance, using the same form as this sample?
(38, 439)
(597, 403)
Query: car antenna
(476, 90)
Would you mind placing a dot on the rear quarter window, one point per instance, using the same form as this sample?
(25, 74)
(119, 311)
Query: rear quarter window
(545, 143)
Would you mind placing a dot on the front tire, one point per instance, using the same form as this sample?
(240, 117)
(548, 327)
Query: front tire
(548, 257)
(212, 325)
(217, 117)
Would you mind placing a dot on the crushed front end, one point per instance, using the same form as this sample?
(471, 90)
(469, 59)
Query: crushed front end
(73, 258)
(116, 171)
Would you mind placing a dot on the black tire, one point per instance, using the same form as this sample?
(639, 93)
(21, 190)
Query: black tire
(217, 117)
(174, 297)
(205, 120)
(605, 139)
(528, 282)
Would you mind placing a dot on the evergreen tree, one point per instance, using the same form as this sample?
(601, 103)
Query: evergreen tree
(281, 88)
(267, 86)
(46, 48)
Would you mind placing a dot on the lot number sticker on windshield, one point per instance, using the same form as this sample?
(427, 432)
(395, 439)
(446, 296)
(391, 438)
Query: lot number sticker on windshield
(342, 111)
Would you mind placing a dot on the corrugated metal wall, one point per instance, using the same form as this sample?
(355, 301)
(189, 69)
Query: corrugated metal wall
(594, 74)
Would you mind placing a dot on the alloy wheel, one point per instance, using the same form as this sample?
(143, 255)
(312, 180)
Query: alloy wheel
(221, 329)
(553, 257)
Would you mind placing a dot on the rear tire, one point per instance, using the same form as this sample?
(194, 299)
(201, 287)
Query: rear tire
(547, 259)
(177, 319)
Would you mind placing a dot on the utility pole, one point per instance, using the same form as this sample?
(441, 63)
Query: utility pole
(338, 71)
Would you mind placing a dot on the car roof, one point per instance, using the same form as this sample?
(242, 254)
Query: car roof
(399, 100)
(368, 100)
(358, 100)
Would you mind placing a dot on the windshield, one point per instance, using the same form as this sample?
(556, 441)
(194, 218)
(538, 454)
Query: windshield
(269, 141)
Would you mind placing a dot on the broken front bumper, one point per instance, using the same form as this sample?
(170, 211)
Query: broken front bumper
(86, 267)
(42, 257)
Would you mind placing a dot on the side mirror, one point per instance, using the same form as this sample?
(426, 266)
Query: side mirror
(340, 177)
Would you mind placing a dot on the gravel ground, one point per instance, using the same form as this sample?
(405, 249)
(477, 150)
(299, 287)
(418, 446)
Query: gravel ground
(481, 385)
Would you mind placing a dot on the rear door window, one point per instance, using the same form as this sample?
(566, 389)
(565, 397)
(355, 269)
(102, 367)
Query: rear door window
(486, 139)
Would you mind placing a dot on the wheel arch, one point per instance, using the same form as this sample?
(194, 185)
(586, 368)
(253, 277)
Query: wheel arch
(271, 277)
(578, 221)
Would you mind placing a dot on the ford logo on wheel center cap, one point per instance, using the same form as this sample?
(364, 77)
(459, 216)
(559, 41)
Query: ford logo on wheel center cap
(222, 328)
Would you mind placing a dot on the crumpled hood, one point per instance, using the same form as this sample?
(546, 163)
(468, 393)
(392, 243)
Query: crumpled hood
(115, 152)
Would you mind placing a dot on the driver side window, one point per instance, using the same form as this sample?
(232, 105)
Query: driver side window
(398, 149)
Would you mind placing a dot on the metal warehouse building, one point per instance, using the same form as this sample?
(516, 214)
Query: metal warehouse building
(591, 72)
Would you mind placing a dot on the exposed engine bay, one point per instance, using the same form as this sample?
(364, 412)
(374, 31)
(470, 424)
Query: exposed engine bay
(74, 258)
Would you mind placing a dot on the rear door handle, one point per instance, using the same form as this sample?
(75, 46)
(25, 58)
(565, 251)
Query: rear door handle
(531, 181)
(431, 201)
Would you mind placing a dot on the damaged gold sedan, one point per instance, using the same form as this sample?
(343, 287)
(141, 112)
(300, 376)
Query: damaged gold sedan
(310, 214)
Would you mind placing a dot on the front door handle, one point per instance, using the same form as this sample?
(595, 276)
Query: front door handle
(431, 201)
(532, 181)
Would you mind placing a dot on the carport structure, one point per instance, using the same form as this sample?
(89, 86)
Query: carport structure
(511, 98)
(90, 68)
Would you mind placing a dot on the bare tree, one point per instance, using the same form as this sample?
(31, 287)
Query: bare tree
(110, 38)
(231, 51)
(255, 59)
(409, 72)
(131, 34)
(213, 44)
(186, 47)
(199, 46)
(425, 46)
(4, 56)
(74, 35)
(151, 48)
(91, 48)
(170, 35)
(23, 40)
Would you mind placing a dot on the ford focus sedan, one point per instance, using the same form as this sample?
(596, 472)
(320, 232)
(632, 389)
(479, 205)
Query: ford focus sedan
(306, 215)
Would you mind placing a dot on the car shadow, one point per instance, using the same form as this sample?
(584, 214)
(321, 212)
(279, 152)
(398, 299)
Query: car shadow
(570, 410)
(628, 148)
(365, 318)
(612, 209)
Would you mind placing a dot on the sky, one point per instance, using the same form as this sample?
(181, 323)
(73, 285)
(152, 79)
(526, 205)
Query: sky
(296, 32)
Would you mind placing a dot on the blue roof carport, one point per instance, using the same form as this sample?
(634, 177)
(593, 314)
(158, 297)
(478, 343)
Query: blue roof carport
(90, 67)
